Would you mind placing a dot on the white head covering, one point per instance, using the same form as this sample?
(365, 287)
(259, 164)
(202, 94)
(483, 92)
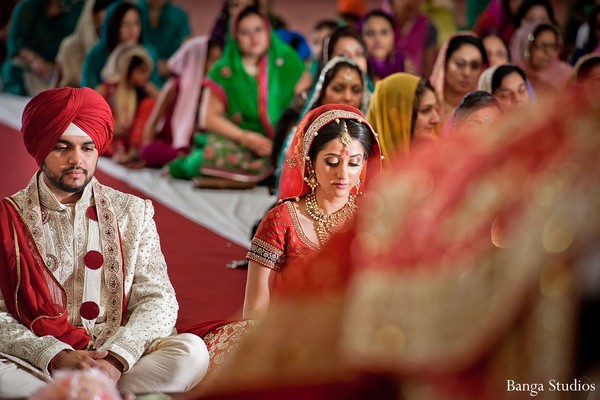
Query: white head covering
(117, 64)
(485, 79)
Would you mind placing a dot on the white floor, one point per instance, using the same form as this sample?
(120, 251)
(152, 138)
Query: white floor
(229, 213)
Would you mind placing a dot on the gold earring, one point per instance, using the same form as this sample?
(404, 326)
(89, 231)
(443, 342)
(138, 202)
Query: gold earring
(311, 179)
(358, 186)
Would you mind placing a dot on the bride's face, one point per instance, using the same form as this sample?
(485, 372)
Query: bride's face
(338, 168)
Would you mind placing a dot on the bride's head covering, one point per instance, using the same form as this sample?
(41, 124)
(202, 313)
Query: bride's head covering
(292, 184)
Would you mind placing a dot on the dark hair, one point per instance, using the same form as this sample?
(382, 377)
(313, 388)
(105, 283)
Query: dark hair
(592, 41)
(543, 28)
(502, 71)
(329, 75)
(326, 24)
(334, 130)
(101, 5)
(211, 44)
(501, 40)
(585, 68)
(422, 87)
(528, 5)
(332, 39)
(377, 13)
(135, 62)
(114, 24)
(221, 26)
(458, 41)
(474, 101)
(249, 10)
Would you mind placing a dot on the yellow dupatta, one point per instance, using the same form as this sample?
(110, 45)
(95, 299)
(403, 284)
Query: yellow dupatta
(391, 111)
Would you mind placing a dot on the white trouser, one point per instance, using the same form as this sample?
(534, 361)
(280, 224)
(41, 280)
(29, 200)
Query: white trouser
(172, 364)
(16, 382)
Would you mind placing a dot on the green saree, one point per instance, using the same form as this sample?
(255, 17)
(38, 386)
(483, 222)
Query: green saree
(252, 103)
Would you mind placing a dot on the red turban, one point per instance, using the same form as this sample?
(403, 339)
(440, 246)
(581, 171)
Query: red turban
(47, 116)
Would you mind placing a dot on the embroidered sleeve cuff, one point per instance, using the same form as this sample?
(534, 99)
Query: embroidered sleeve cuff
(265, 254)
(127, 359)
(50, 353)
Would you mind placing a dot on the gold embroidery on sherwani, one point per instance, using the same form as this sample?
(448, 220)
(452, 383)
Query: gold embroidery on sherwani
(155, 314)
(111, 250)
(71, 277)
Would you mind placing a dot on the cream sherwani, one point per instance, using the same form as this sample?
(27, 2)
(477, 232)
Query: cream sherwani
(153, 357)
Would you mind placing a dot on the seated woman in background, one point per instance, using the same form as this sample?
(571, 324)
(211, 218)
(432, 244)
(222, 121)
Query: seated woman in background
(457, 68)
(417, 36)
(403, 110)
(245, 94)
(122, 24)
(341, 82)
(508, 83)
(347, 42)
(496, 50)
(127, 89)
(74, 47)
(379, 30)
(477, 112)
(536, 48)
(163, 139)
(334, 154)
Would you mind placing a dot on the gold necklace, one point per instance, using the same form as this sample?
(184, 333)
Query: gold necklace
(327, 224)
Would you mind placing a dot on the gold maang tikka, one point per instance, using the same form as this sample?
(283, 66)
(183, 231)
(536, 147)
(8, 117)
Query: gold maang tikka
(346, 139)
(348, 76)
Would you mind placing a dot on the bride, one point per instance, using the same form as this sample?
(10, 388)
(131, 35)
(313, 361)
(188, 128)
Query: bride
(335, 153)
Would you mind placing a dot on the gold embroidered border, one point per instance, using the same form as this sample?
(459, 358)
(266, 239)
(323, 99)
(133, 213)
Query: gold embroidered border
(113, 261)
(298, 227)
(32, 216)
(266, 254)
(323, 120)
